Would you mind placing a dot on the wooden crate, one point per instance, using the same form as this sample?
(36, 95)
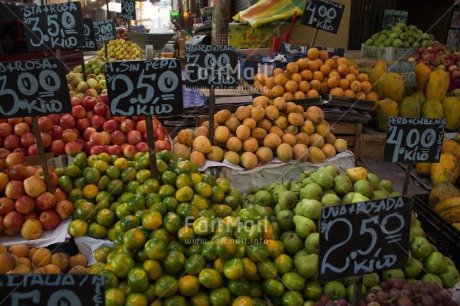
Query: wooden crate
(372, 144)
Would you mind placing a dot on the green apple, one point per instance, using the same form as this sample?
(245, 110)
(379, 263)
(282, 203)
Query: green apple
(413, 268)
(335, 290)
(420, 248)
(432, 278)
(393, 273)
(371, 279)
(450, 278)
(434, 263)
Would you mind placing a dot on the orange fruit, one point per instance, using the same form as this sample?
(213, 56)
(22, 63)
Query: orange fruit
(189, 285)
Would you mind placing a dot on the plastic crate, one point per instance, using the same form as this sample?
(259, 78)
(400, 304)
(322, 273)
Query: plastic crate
(438, 231)
(387, 53)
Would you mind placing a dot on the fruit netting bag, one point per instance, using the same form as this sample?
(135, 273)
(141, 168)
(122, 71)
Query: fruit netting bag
(266, 11)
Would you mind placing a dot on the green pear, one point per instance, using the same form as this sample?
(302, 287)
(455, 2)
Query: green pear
(420, 248)
(395, 194)
(393, 273)
(416, 232)
(287, 184)
(342, 184)
(432, 278)
(434, 263)
(348, 198)
(387, 184)
(450, 278)
(309, 208)
(292, 243)
(311, 191)
(287, 199)
(330, 200)
(413, 268)
(363, 187)
(332, 170)
(269, 186)
(373, 179)
(379, 195)
(357, 197)
(329, 191)
(306, 265)
(264, 211)
(285, 219)
(323, 179)
(263, 197)
(334, 290)
(312, 243)
(296, 187)
(276, 192)
(307, 181)
(252, 190)
(371, 279)
(303, 226)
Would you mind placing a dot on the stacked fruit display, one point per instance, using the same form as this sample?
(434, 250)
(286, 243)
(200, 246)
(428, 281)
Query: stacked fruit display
(189, 237)
(26, 207)
(401, 36)
(428, 100)
(314, 75)
(22, 259)
(445, 197)
(121, 49)
(89, 127)
(258, 132)
(439, 56)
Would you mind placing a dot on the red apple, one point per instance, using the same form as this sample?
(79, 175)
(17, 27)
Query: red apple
(67, 121)
(18, 172)
(56, 132)
(97, 139)
(25, 205)
(91, 92)
(142, 146)
(129, 151)
(119, 118)
(15, 159)
(20, 150)
(161, 133)
(134, 137)
(32, 150)
(21, 128)
(95, 150)
(54, 179)
(138, 118)
(70, 135)
(5, 129)
(100, 109)
(141, 126)
(81, 142)
(83, 124)
(78, 112)
(14, 121)
(45, 124)
(91, 76)
(88, 132)
(115, 150)
(72, 148)
(49, 219)
(110, 126)
(55, 118)
(45, 201)
(60, 195)
(14, 189)
(4, 153)
(58, 147)
(46, 139)
(6, 205)
(161, 145)
(104, 99)
(13, 221)
(106, 137)
(12, 142)
(27, 139)
(33, 215)
(118, 137)
(75, 100)
(97, 122)
(88, 102)
(127, 125)
(64, 209)
(35, 185)
(32, 170)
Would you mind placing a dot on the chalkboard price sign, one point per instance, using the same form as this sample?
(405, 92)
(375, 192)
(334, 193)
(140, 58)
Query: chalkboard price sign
(211, 66)
(323, 15)
(128, 9)
(407, 71)
(364, 237)
(104, 30)
(54, 26)
(392, 17)
(144, 87)
(90, 38)
(413, 140)
(33, 88)
(52, 289)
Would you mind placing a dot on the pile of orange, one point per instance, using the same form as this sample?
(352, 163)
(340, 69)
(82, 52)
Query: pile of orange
(317, 74)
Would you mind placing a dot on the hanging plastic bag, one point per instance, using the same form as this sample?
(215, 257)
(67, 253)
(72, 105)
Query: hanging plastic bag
(266, 11)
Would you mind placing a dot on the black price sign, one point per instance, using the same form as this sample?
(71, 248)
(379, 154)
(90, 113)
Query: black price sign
(33, 88)
(211, 66)
(54, 26)
(104, 30)
(392, 17)
(363, 237)
(413, 140)
(128, 10)
(52, 289)
(144, 87)
(406, 70)
(323, 15)
(90, 38)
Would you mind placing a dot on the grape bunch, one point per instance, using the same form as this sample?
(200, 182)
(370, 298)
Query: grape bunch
(399, 292)
(325, 301)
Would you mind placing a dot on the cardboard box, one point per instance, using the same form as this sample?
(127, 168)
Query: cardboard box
(243, 36)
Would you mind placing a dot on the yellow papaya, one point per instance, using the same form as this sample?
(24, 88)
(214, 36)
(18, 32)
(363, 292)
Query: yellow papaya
(423, 168)
(419, 95)
(451, 107)
(422, 74)
(409, 107)
(446, 170)
(449, 209)
(376, 77)
(442, 192)
(392, 86)
(383, 110)
(437, 85)
(450, 146)
(432, 109)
